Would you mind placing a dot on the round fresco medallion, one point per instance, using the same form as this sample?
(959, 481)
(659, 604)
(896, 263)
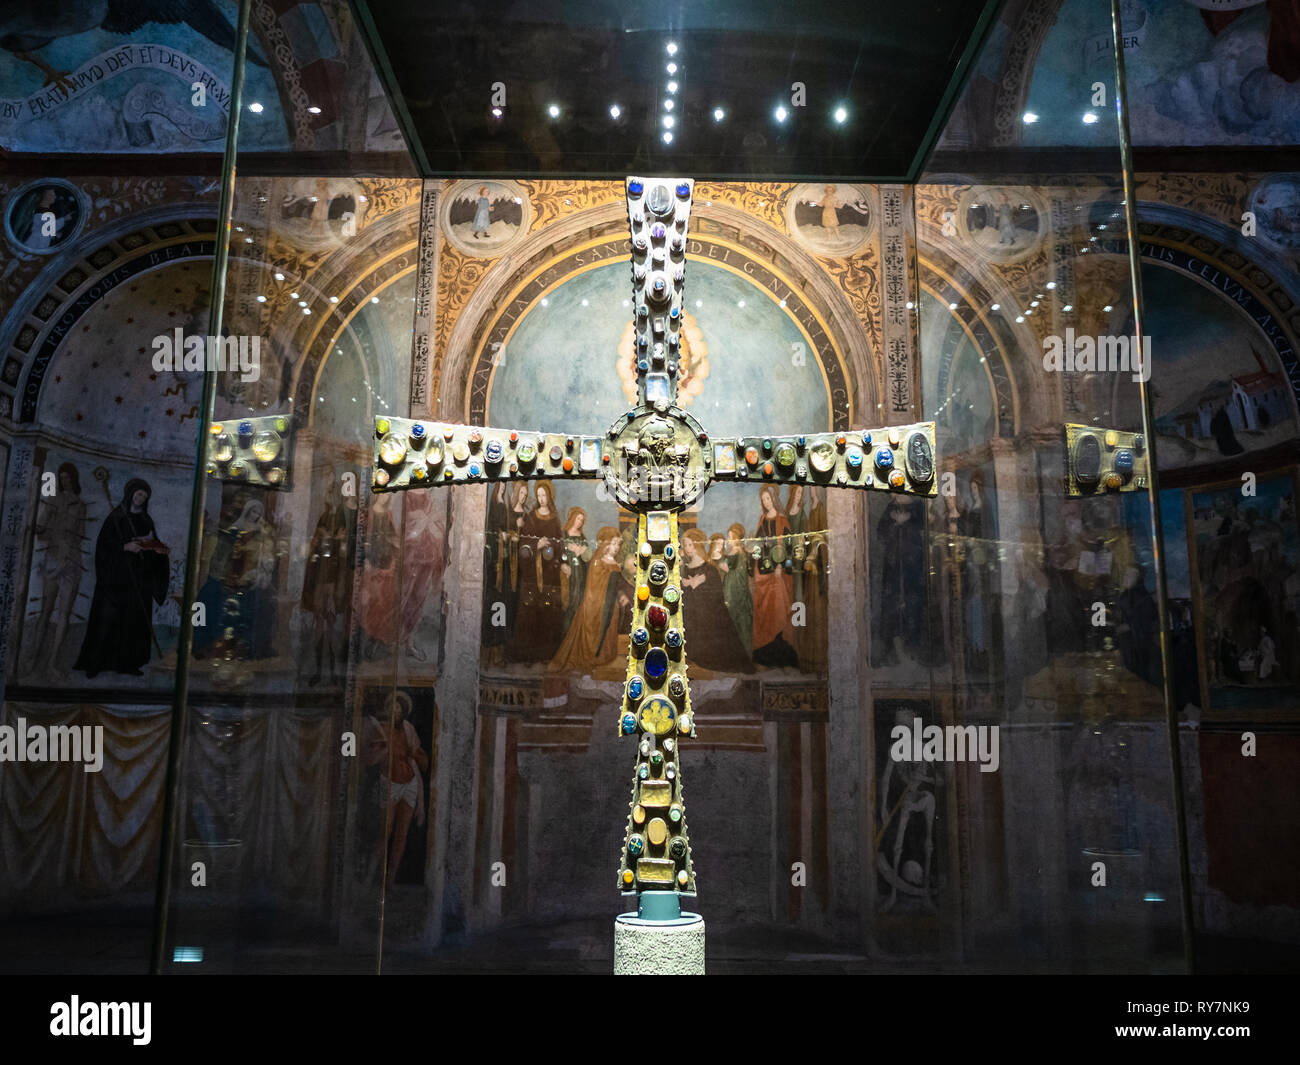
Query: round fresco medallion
(1003, 223)
(485, 218)
(832, 220)
(45, 216)
(1275, 203)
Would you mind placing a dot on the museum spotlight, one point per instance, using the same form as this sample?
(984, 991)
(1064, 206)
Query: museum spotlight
(496, 111)
(614, 111)
(668, 121)
(672, 68)
(780, 113)
(1030, 118)
(672, 86)
(1051, 284)
(719, 114)
(668, 137)
(841, 115)
(672, 47)
(1089, 117)
(668, 105)
(255, 107)
(553, 111)
(313, 110)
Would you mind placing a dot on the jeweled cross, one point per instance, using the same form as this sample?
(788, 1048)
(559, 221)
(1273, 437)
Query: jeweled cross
(655, 460)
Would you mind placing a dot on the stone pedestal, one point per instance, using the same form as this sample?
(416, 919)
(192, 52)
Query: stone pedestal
(659, 948)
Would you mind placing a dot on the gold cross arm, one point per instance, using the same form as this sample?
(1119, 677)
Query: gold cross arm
(419, 454)
(251, 450)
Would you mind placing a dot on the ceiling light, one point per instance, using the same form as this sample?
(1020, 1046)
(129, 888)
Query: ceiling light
(1068, 307)
(1107, 309)
(313, 110)
(614, 111)
(279, 276)
(255, 107)
(780, 114)
(672, 68)
(996, 307)
(1029, 118)
(261, 299)
(668, 121)
(553, 110)
(1051, 284)
(719, 114)
(672, 47)
(496, 111)
(668, 137)
(1089, 117)
(668, 105)
(840, 115)
(672, 86)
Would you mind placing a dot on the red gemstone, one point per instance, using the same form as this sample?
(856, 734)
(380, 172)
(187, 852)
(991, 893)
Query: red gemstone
(657, 616)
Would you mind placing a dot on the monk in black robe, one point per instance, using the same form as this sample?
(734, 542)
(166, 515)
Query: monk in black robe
(130, 576)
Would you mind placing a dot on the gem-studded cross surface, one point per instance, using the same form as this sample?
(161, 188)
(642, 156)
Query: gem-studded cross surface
(655, 460)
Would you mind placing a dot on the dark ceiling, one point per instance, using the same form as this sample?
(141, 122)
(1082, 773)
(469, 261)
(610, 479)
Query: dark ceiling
(892, 68)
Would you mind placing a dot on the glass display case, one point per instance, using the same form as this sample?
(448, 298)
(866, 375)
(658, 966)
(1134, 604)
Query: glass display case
(335, 611)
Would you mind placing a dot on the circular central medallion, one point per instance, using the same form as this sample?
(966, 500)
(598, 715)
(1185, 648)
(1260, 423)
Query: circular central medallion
(657, 460)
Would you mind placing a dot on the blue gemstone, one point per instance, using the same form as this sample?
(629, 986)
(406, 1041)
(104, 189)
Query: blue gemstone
(635, 846)
(801, 441)
(657, 231)
(669, 552)
(417, 430)
(245, 428)
(640, 637)
(493, 452)
(474, 471)
(656, 664)
(854, 459)
(629, 724)
(643, 771)
(1124, 460)
(683, 190)
(634, 688)
(673, 637)
(635, 187)
(866, 439)
(675, 313)
(642, 365)
(642, 342)
(884, 458)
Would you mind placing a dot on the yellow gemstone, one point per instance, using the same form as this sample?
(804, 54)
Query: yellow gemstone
(628, 876)
(682, 878)
(216, 429)
(1112, 438)
(893, 438)
(266, 446)
(657, 831)
(281, 425)
(684, 723)
(275, 475)
(418, 474)
(1114, 480)
(896, 479)
(643, 593)
(392, 451)
(381, 426)
(638, 814)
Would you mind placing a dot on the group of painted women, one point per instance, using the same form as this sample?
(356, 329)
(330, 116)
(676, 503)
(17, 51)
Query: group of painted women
(555, 594)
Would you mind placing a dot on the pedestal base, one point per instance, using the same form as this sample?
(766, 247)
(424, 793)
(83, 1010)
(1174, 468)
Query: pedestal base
(659, 948)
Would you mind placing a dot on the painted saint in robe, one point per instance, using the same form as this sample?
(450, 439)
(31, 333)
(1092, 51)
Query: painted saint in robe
(130, 576)
(574, 558)
(327, 585)
(239, 591)
(773, 586)
(811, 637)
(498, 575)
(541, 610)
(710, 634)
(591, 640)
(736, 592)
